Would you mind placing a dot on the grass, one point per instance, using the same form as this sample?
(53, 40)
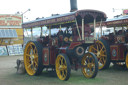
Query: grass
(8, 76)
(48, 78)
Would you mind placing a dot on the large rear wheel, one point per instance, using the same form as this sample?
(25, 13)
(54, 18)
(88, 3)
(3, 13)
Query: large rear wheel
(102, 51)
(33, 58)
(63, 67)
(89, 65)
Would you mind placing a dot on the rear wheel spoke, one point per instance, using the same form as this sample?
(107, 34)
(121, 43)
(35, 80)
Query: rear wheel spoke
(30, 65)
(94, 48)
(28, 55)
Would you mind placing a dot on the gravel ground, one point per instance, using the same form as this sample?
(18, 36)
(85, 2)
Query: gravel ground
(8, 76)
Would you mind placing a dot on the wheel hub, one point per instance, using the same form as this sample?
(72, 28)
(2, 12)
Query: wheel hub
(98, 54)
(89, 65)
(32, 58)
(62, 67)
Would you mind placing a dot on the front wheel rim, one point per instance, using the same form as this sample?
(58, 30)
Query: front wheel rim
(61, 67)
(31, 58)
(88, 65)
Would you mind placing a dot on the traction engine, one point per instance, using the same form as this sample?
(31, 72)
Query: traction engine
(64, 46)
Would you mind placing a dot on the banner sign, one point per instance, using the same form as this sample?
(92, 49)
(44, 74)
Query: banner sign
(15, 49)
(53, 21)
(10, 20)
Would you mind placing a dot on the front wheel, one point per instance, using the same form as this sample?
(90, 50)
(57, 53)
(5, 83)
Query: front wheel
(89, 65)
(63, 67)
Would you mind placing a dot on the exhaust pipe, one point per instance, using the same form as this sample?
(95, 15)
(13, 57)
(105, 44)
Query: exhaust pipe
(73, 4)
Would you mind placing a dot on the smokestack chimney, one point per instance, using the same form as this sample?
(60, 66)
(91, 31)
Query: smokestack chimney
(73, 4)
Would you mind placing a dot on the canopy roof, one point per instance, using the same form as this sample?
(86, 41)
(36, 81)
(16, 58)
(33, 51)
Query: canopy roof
(118, 21)
(115, 22)
(88, 15)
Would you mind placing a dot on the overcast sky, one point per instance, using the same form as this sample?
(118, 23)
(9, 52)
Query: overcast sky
(44, 8)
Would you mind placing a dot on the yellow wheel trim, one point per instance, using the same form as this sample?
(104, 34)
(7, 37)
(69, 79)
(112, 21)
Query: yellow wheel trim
(88, 65)
(70, 39)
(66, 39)
(126, 60)
(100, 51)
(31, 58)
(61, 67)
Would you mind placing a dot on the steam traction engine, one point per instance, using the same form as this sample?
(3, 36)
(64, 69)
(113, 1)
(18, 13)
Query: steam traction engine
(113, 47)
(65, 49)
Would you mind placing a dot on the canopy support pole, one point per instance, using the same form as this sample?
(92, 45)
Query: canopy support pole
(82, 29)
(49, 31)
(101, 27)
(31, 34)
(114, 30)
(122, 29)
(60, 27)
(41, 34)
(94, 28)
(78, 29)
(27, 32)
